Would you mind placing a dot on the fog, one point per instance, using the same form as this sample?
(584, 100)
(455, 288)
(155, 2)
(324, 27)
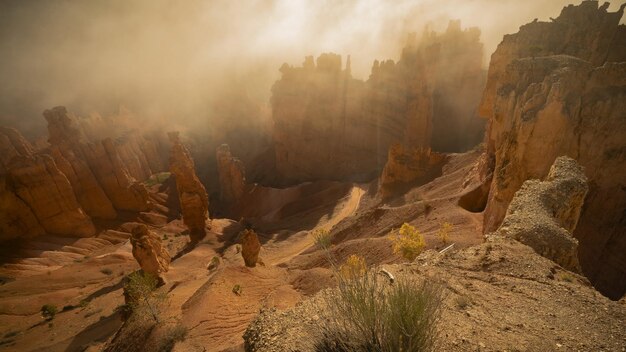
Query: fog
(172, 60)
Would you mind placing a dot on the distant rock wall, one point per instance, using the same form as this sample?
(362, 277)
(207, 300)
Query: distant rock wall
(328, 125)
(559, 88)
(232, 176)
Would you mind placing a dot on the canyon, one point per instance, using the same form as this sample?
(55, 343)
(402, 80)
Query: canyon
(513, 177)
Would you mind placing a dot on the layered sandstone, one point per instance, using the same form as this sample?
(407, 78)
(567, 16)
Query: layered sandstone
(104, 172)
(194, 201)
(405, 165)
(148, 251)
(556, 89)
(39, 183)
(232, 176)
(544, 214)
(328, 125)
(36, 197)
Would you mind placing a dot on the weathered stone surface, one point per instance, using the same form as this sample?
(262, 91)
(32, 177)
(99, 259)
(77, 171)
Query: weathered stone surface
(12, 145)
(544, 214)
(122, 189)
(407, 165)
(232, 176)
(328, 125)
(16, 218)
(250, 247)
(551, 91)
(148, 251)
(194, 201)
(47, 192)
(100, 178)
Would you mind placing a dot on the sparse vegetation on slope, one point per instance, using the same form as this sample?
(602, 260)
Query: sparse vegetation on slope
(408, 242)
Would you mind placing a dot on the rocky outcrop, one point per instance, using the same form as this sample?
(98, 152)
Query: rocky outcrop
(148, 251)
(328, 125)
(47, 192)
(35, 196)
(543, 215)
(99, 175)
(12, 145)
(405, 166)
(232, 176)
(556, 89)
(194, 201)
(250, 247)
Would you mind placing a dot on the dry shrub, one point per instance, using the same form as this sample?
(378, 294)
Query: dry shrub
(408, 242)
(365, 313)
(322, 238)
(353, 267)
(444, 232)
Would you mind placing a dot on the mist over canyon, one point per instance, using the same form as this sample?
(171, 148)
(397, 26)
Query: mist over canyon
(272, 175)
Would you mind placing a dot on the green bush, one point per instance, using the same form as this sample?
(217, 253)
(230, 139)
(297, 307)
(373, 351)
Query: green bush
(48, 311)
(365, 313)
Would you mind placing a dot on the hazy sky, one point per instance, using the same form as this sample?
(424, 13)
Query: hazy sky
(170, 58)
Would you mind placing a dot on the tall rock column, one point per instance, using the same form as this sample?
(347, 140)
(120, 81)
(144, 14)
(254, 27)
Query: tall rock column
(232, 176)
(194, 201)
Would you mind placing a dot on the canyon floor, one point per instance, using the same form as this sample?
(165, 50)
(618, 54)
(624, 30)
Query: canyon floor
(515, 299)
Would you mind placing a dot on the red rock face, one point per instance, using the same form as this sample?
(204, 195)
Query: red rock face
(552, 91)
(331, 126)
(104, 159)
(194, 201)
(48, 193)
(84, 173)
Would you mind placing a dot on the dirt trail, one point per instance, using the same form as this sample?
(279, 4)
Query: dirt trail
(347, 207)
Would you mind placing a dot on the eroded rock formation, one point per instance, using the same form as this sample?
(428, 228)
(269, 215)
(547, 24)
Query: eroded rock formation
(148, 251)
(328, 125)
(559, 88)
(544, 214)
(194, 201)
(407, 165)
(35, 195)
(232, 176)
(99, 175)
(250, 247)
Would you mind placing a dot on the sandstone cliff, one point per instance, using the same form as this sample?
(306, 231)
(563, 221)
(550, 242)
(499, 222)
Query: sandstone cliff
(328, 125)
(103, 160)
(194, 201)
(559, 88)
(543, 215)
